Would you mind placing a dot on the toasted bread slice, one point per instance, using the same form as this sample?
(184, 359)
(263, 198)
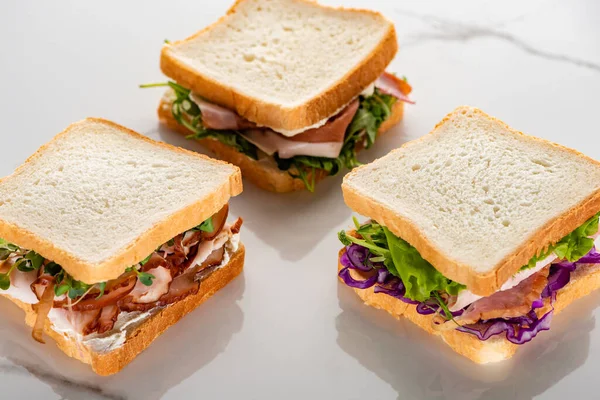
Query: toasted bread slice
(142, 335)
(263, 173)
(285, 64)
(99, 198)
(584, 280)
(476, 198)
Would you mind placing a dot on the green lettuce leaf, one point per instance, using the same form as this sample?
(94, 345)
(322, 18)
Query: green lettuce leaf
(421, 279)
(573, 246)
(577, 244)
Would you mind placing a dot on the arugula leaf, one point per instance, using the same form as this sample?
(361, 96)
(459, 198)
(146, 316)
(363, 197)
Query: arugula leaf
(206, 226)
(373, 110)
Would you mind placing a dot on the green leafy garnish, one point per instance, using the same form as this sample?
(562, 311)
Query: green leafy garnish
(363, 129)
(206, 226)
(77, 289)
(578, 243)
(143, 277)
(6, 249)
(573, 246)
(420, 278)
(4, 281)
(32, 261)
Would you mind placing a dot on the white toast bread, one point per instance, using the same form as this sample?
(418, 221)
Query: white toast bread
(584, 280)
(476, 198)
(141, 336)
(263, 173)
(285, 64)
(99, 198)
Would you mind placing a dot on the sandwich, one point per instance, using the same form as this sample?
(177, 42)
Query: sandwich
(476, 233)
(108, 238)
(288, 90)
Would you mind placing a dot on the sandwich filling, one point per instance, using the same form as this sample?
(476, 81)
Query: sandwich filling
(323, 148)
(375, 258)
(100, 315)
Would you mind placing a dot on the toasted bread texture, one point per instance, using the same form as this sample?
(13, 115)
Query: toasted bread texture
(143, 334)
(476, 198)
(285, 64)
(584, 280)
(99, 198)
(263, 173)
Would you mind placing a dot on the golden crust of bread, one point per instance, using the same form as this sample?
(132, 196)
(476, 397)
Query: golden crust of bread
(272, 114)
(263, 173)
(487, 283)
(144, 334)
(163, 231)
(497, 348)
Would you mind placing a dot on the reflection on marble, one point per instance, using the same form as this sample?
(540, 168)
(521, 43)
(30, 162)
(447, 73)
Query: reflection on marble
(421, 366)
(167, 361)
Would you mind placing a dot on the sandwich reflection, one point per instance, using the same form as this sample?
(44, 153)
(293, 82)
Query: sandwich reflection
(177, 354)
(420, 366)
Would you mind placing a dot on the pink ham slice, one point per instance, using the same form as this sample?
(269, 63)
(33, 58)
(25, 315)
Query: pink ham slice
(271, 142)
(220, 118)
(325, 141)
(394, 86)
(333, 131)
(509, 303)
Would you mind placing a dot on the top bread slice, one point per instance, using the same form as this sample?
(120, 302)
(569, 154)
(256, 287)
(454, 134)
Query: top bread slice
(476, 198)
(99, 198)
(284, 64)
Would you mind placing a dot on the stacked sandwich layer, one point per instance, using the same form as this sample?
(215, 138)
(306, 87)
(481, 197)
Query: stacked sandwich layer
(100, 314)
(288, 90)
(468, 237)
(323, 148)
(118, 238)
(375, 257)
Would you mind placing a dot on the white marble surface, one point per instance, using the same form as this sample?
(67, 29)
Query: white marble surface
(286, 328)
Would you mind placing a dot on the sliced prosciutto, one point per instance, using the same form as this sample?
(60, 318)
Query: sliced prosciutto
(333, 131)
(272, 142)
(394, 86)
(108, 317)
(324, 141)
(514, 302)
(220, 118)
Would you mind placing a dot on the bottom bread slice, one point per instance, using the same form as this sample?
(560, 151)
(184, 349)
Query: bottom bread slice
(584, 280)
(263, 173)
(144, 334)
